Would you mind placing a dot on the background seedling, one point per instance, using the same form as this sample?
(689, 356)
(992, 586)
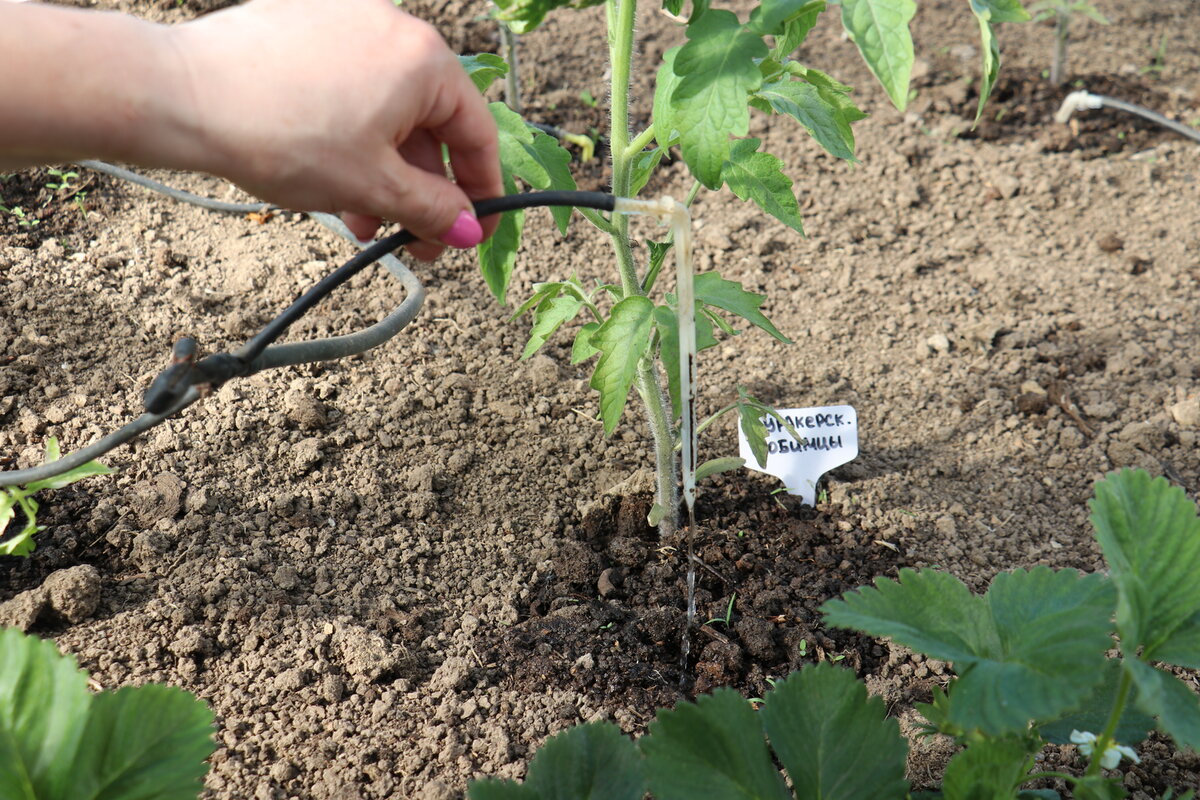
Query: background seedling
(21, 497)
(1061, 11)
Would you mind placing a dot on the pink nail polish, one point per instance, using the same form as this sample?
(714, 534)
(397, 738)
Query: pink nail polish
(464, 233)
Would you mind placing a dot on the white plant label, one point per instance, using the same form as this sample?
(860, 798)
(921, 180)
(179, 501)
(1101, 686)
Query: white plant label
(829, 438)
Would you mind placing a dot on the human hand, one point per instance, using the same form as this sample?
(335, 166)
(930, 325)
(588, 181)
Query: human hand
(342, 106)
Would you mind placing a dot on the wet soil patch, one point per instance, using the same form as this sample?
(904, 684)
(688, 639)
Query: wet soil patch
(1023, 105)
(607, 620)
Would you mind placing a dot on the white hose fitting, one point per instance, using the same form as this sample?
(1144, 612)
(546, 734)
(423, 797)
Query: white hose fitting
(1075, 101)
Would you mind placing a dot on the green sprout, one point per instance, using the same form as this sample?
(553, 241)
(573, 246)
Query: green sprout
(21, 497)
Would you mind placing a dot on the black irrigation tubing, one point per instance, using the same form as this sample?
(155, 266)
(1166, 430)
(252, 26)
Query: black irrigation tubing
(186, 379)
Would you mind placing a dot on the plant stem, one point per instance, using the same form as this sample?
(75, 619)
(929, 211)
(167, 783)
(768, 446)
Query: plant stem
(622, 15)
(1062, 776)
(1058, 66)
(1104, 740)
(640, 141)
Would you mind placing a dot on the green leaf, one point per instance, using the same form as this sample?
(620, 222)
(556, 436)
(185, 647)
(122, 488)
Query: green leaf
(498, 253)
(1000, 10)
(667, 321)
(806, 104)
(750, 418)
(1093, 714)
(1162, 695)
(44, 703)
(835, 742)
(581, 349)
(555, 160)
(622, 340)
(880, 30)
(989, 769)
(796, 30)
(484, 68)
(1150, 536)
(494, 789)
(1032, 647)
(144, 743)
(658, 253)
(989, 12)
(713, 749)
(643, 167)
(772, 16)
(517, 154)
(716, 466)
(713, 290)
(541, 291)
(759, 177)
(549, 315)
(8, 509)
(666, 131)
(1097, 787)
(70, 476)
(525, 15)
(588, 762)
(717, 71)
(1183, 648)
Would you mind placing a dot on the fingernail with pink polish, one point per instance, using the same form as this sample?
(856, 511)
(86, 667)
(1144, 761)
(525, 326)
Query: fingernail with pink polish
(464, 233)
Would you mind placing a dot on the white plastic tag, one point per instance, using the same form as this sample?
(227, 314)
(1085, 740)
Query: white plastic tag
(829, 438)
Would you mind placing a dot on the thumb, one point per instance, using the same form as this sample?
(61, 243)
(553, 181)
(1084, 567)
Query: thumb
(429, 205)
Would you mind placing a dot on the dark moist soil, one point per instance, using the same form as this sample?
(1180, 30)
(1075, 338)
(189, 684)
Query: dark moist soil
(608, 618)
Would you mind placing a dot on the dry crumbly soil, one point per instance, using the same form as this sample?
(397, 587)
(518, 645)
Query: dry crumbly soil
(395, 573)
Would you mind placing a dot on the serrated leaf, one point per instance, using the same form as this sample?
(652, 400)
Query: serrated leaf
(754, 429)
(581, 349)
(713, 290)
(1094, 712)
(517, 154)
(498, 253)
(1150, 535)
(667, 322)
(989, 769)
(835, 742)
(588, 762)
(1183, 648)
(796, 30)
(1162, 695)
(806, 104)
(20, 544)
(716, 466)
(541, 291)
(549, 315)
(494, 789)
(483, 68)
(712, 748)
(666, 131)
(144, 743)
(1032, 647)
(880, 30)
(622, 341)
(44, 704)
(717, 70)
(555, 160)
(759, 177)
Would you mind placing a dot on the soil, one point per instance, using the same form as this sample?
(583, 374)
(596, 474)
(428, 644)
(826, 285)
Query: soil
(401, 571)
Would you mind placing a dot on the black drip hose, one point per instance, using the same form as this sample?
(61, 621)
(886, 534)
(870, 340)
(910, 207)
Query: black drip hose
(167, 389)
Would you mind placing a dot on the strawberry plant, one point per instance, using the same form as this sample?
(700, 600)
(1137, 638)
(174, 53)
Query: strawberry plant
(1031, 667)
(58, 741)
(706, 89)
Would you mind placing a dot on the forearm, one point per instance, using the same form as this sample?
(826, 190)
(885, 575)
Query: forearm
(86, 84)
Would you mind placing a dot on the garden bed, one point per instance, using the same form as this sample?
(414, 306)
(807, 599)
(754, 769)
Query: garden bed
(381, 572)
